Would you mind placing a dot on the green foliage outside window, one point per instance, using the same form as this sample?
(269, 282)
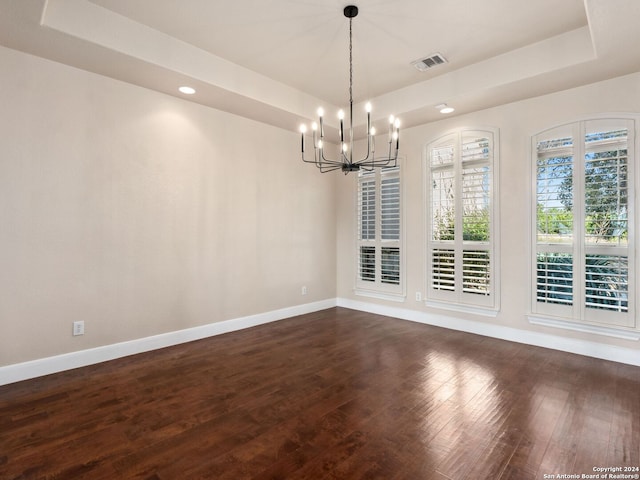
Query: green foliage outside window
(475, 225)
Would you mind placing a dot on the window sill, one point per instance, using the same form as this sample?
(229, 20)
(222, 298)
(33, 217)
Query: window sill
(393, 297)
(457, 307)
(584, 327)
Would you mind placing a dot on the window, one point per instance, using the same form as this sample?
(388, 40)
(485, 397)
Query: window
(461, 240)
(380, 232)
(583, 241)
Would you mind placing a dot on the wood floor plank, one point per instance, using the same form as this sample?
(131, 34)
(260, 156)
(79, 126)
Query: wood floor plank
(336, 394)
(623, 440)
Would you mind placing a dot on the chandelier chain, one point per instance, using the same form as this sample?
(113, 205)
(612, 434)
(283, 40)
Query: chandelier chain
(350, 63)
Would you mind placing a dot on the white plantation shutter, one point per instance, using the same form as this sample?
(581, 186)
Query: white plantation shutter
(367, 229)
(367, 209)
(476, 203)
(476, 272)
(607, 278)
(443, 153)
(554, 221)
(606, 189)
(367, 264)
(554, 278)
(390, 226)
(390, 265)
(390, 206)
(605, 171)
(461, 250)
(583, 220)
(380, 231)
(443, 270)
(443, 203)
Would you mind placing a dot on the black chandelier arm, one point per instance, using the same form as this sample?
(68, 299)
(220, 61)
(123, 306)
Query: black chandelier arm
(380, 162)
(345, 159)
(324, 169)
(324, 165)
(321, 162)
(369, 151)
(327, 160)
(384, 161)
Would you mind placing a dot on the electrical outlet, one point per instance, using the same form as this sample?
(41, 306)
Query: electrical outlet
(418, 296)
(78, 328)
(304, 290)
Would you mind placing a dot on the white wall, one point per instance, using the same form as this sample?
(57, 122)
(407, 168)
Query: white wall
(141, 213)
(517, 122)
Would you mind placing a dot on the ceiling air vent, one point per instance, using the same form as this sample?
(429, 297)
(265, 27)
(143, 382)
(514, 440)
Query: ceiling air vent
(429, 62)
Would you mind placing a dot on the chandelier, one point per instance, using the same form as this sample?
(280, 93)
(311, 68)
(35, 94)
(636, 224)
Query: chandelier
(345, 160)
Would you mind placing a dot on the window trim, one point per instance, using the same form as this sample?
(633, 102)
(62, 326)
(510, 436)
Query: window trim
(378, 290)
(465, 302)
(554, 317)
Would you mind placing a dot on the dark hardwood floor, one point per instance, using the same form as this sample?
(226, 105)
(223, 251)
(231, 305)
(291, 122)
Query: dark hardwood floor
(337, 394)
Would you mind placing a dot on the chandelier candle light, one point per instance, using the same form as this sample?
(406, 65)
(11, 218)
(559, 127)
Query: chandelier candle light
(345, 161)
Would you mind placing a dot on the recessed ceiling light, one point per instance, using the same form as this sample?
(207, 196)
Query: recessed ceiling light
(444, 108)
(187, 90)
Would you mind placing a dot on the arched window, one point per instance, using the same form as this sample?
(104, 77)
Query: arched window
(461, 170)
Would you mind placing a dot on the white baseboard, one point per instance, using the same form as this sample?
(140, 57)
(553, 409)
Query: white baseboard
(581, 347)
(45, 366)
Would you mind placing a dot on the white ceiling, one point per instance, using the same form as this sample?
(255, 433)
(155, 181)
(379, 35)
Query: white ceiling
(278, 60)
(305, 43)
